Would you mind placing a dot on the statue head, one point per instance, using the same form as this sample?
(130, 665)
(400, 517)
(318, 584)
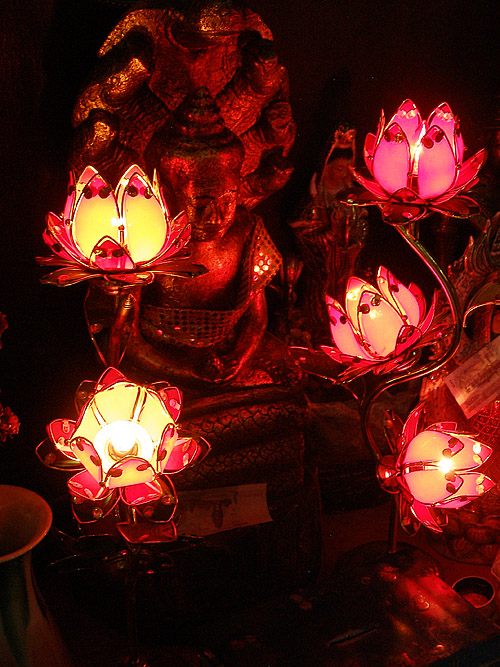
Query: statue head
(200, 160)
(205, 23)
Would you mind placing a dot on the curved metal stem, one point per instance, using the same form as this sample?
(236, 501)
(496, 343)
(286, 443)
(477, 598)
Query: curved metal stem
(367, 404)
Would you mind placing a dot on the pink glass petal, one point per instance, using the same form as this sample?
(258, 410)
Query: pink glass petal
(54, 457)
(132, 278)
(427, 446)
(159, 194)
(443, 426)
(401, 297)
(156, 511)
(473, 484)
(409, 120)
(70, 199)
(363, 365)
(372, 186)
(443, 118)
(138, 494)
(128, 471)
(408, 337)
(354, 289)
(458, 207)
(59, 232)
(144, 215)
(60, 432)
(168, 440)
(437, 168)
(380, 127)
(109, 377)
(379, 323)
(83, 484)
(343, 333)
(57, 237)
(87, 455)
(418, 295)
(171, 398)
(413, 424)
(85, 179)
(109, 255)
(426, 515)
(391, 161)
(178, 266)
(369, 150)
(471, 455)
(401, 214)
(186, 450)
(69, 275)
(468, 172)
(430, 486)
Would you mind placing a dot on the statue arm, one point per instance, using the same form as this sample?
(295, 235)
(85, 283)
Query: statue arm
(190, 365)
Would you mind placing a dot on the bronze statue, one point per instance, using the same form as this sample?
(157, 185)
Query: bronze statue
(207, 327)
(198, 94)
(329, 234)
(157, 55)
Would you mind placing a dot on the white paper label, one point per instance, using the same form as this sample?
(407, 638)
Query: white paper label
(211, 511)
(476, 383)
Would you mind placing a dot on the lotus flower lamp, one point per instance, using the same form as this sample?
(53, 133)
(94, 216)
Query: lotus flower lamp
(417, 166)
(380, 326)
(125, 235)
(124, 446)
(119, 239)
(431, 468)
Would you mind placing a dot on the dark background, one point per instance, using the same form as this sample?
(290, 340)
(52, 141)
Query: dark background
(345, 60)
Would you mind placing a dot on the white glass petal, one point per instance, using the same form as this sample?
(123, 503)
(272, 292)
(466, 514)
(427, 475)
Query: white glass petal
(96, 216)
(398, 294)
(379, 323)
(145, 221)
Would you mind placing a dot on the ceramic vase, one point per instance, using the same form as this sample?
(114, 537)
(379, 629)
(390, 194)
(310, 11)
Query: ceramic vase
(28, 636)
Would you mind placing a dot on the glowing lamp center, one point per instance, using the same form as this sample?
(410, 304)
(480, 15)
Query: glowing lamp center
(445, 465)
(122, 438)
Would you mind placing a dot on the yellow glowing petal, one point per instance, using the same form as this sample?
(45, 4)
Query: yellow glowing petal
(93, 220)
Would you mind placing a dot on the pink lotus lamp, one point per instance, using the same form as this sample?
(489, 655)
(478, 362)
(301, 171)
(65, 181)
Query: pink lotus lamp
(380, 326)
(120, 239)
(125, 235)
(432, 468)
(417, 166)
(125, 444)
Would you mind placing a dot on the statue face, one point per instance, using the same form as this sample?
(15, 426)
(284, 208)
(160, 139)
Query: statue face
(210, 212)
(337, 176)
(208, 191)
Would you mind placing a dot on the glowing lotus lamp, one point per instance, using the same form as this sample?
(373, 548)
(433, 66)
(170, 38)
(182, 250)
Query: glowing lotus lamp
(125, 235)
(124, 443)
(417, 166)
(379, 326)
(433, 468)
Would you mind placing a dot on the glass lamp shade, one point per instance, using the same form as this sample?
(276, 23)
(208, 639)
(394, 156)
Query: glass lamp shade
(379, 325)
(417, 166)
(124, 443)
(436, 467)
(125, 234)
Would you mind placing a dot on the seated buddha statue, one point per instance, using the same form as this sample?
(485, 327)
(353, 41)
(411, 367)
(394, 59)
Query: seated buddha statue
(206, 328)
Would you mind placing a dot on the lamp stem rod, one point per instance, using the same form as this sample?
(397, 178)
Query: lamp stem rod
(433, 364)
